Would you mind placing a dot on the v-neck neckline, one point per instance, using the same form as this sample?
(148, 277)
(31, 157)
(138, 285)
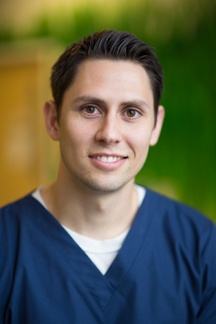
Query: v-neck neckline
(102, 287)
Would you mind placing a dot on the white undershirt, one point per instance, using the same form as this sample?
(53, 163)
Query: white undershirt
(101, 252)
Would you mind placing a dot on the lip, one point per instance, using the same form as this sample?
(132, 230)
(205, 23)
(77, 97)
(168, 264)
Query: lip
(107, 161)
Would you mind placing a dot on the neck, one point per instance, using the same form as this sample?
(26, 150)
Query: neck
(99, 216)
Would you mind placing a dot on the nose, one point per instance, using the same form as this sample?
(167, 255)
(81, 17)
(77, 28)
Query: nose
(109, 130)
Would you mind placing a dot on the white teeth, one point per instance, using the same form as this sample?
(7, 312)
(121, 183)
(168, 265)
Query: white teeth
(108, 159)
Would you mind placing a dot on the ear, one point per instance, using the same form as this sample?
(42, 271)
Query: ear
(51, 120)
(158, 126)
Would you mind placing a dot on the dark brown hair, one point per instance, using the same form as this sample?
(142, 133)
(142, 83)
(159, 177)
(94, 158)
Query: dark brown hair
(108, 44)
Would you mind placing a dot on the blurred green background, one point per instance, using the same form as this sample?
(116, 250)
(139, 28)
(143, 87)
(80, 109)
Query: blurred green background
(182, 165)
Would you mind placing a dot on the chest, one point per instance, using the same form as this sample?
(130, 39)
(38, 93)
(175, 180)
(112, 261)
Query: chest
(146, 283)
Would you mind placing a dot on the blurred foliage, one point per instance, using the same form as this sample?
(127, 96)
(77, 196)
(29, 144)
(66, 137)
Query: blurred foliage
(183, 32)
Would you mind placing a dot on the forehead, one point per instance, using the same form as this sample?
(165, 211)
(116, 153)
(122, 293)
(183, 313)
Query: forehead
(111, 68)
(107, 77)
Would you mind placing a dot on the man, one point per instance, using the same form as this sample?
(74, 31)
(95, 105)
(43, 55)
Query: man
(93, 247)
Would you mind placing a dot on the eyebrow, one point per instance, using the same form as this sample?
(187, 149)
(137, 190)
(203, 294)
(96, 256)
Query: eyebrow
(87, 99)
(135, 102)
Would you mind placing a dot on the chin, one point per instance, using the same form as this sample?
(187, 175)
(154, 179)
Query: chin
(105, 187)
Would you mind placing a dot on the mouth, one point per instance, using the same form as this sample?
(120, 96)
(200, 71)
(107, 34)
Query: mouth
(108, 158)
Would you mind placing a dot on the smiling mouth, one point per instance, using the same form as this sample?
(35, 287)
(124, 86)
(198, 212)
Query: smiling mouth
(108, 159)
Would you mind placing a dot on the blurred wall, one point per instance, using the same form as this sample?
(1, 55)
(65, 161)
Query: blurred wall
(26, 154)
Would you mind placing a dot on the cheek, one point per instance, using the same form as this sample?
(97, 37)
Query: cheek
(142, 152)
(77, 136)
(139, 141)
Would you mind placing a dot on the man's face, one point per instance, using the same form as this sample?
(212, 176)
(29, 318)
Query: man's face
(107, 125)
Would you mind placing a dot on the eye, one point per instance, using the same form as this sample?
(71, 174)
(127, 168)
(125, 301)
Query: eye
(90, 110)
(132, 113)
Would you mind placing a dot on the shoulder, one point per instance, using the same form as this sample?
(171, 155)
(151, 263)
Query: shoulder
(19, 233)
(14, 218)
(176, 211)
(183, 228)
(180, 223)
(21, 217)
(190, 238)
(18, 209)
